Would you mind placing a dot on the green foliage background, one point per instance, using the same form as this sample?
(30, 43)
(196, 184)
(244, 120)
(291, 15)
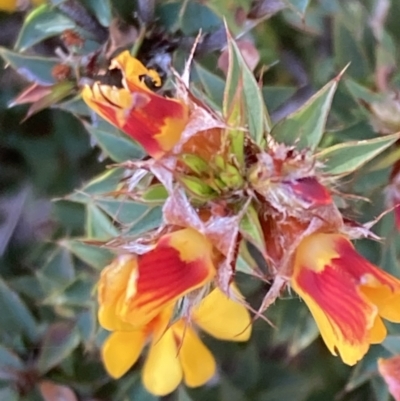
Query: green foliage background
(48, 328)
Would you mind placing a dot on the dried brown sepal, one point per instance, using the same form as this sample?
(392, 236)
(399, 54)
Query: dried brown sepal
(72, 38)
(61, 72)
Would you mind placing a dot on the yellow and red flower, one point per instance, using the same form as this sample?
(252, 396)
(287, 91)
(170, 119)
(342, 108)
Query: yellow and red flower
(134, 289)
(347, 295)
(176, 352)
(156, 122)
(390, 371)
(137, 296)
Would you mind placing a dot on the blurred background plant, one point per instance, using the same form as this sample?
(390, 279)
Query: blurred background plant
(54, 181)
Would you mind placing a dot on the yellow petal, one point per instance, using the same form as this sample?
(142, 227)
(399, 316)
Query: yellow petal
(133, 71)
(390, 310)
(197, 361)
(222, 317)
(114, 278)
(378, 332)
(386, 299)
(109, 320)
(335, 340)
(121, 350)
(162, 371)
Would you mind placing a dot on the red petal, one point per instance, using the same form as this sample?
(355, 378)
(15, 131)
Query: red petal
(310, 190)
(159, 116)
(171, 270)
(337, 295)
(360, 268)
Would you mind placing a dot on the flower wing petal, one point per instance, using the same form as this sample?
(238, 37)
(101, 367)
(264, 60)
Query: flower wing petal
(198, 363)
(112, 290)
(222, 317)
(109, 319)
(378, 332)
(121, 350)
(162, 371)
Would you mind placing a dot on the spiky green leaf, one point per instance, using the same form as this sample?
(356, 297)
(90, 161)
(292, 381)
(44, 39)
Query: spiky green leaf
(347, 157)
(305, 127)
(33, 68)
(114, 143)
(251, 104)
(42, 23)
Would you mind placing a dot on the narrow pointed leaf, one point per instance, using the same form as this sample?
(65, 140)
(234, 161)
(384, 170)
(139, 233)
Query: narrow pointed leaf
(245, 263)
(345, 158)
(136, 217)
(360, 92)
(77, 294)
(59, 268)
(33, 68)
(252, 104)
(98, 225)
(251, 230)
(385, 160)
(100, 185)
(123, 211)
(15, 317)
(212, 84)
(306, 125)
(349, 43)
(115, 144)
(42, 23)
(156, 193)
(94, 256)
(59, 341)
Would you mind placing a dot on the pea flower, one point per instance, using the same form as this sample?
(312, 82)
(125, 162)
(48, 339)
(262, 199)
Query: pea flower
(134, 289)
(176, 352)
(347, 295)
(390, 371)
(156, 122)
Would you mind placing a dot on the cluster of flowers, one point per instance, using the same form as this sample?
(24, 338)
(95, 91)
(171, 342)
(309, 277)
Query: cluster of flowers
(169, 283)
